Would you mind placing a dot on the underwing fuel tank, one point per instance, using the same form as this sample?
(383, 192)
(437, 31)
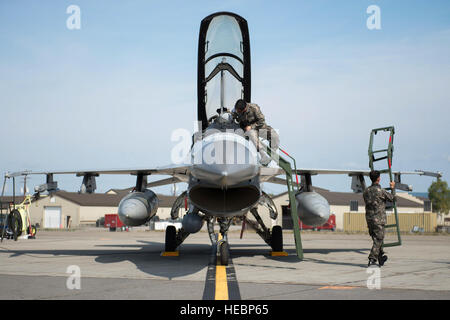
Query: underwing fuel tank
(137, 208)
(312, 208)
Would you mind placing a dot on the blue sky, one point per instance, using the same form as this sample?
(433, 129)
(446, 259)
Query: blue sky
(110, 94)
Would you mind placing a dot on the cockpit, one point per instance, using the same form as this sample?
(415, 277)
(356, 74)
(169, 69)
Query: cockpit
(223, 68)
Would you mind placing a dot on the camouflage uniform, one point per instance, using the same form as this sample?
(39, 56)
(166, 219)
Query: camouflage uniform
(375, 198)
(254, 118)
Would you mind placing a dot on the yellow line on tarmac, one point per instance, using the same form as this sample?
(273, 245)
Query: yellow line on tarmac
(336, 288)
(221, 283)
(221, 280)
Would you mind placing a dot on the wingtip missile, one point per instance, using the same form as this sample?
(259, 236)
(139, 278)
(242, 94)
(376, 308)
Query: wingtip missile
(437, 174)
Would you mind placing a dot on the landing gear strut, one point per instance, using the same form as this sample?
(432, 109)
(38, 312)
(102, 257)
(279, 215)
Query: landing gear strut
(274, 237)
(221, 244)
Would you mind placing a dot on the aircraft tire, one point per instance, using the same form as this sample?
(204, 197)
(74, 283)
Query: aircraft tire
(171, 238)
(15, 223)
(277, 239)
(224, 252)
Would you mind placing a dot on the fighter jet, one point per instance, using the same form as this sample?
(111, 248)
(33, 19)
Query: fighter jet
(224, 176)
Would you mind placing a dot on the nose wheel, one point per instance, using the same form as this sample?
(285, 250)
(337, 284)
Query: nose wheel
(223, 252)
(219, 240)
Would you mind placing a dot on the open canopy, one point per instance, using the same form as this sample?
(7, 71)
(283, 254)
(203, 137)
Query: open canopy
(223, 64)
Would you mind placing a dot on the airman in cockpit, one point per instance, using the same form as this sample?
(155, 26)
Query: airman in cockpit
(252, 121)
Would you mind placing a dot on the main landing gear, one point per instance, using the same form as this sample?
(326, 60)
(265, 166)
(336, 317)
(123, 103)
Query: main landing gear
(219, 241)
(174, 238)
(273, 237)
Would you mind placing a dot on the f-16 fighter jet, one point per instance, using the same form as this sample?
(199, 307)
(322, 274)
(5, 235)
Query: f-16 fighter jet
(225, 173)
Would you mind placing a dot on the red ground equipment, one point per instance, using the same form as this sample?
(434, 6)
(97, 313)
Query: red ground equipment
(329, 225)
(112, 222)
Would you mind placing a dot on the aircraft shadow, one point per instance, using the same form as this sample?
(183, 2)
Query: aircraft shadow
(146, 256)
(250, 251)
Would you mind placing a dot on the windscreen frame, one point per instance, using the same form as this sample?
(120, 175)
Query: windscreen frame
(201, 84)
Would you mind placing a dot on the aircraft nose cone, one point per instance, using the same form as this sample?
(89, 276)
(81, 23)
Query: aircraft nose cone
(225, 174)
(224, 159)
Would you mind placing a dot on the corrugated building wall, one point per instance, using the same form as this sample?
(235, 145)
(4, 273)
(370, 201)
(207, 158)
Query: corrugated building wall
(356, 222)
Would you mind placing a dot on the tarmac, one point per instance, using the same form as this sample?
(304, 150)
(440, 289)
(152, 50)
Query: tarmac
(96, 264)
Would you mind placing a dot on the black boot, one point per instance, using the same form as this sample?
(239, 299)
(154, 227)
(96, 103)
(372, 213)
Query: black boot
(372, 262)
(382, 259)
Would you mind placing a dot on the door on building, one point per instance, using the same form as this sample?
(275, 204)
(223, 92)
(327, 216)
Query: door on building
(52, 216)
(287, 219)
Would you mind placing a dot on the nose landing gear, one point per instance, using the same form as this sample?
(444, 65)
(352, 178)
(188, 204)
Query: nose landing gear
(220, 240)
(223, 252)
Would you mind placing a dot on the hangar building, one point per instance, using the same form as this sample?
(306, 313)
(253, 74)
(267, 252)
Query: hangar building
(72, 209)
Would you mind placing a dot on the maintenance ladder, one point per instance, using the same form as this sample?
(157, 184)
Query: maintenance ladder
(388, 156)
(286, 166)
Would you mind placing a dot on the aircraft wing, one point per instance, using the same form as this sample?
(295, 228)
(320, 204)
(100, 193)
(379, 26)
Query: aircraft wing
(363, 172)
(179, 173)
(166, 170)
(270, 175)
(266, 174)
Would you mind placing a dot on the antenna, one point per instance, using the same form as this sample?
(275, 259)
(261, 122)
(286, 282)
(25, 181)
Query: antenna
(25, 185)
